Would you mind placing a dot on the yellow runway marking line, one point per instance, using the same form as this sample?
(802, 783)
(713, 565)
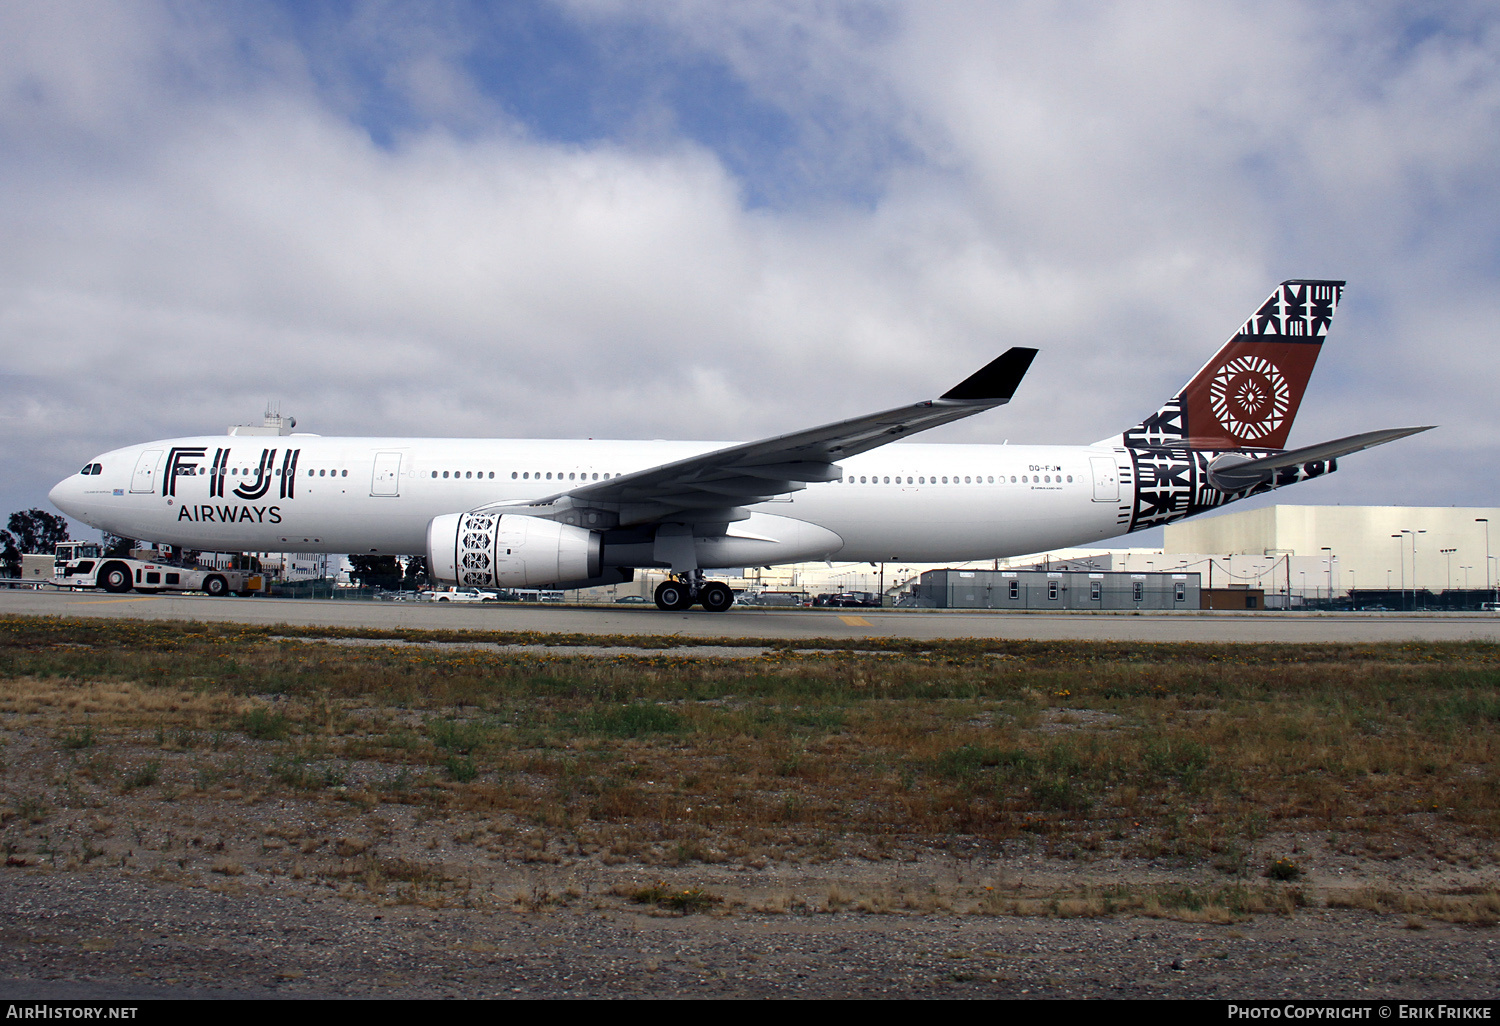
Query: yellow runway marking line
(856, 621)
(105, 602)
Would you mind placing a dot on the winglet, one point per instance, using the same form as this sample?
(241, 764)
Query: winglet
(997, 380)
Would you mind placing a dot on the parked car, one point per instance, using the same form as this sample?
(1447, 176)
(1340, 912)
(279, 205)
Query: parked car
(777, 598)
(458, 595)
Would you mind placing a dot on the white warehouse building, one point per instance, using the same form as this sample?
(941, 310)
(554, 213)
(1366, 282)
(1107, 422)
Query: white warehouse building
(1366, 547)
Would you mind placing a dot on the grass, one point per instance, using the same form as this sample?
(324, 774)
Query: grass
(1199, 753)
(684, 900)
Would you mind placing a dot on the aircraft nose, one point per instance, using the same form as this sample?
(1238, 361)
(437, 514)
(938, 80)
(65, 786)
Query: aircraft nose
(62, 495)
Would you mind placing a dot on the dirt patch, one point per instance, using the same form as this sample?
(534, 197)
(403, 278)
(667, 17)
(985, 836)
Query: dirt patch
(903, 824)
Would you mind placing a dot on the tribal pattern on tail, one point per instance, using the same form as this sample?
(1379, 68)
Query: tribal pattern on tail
(1243, 400)
(1171, 480)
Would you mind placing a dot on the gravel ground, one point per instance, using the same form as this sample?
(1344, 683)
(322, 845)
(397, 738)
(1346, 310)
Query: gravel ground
(111, 933)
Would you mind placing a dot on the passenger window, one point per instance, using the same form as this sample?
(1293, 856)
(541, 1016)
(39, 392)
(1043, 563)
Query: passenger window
(434, 473)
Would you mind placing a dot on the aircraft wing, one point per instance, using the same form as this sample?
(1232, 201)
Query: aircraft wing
(712, 487)
(1232, 472)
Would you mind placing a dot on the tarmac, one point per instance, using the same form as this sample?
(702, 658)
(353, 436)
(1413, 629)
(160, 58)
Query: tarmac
(775, 624)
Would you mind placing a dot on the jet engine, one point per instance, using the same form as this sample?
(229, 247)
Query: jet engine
(505, 550)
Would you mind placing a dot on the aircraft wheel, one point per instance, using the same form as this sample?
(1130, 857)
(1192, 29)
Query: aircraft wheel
(716, 597)
(673, 596)
(115, 577)
(216, 586)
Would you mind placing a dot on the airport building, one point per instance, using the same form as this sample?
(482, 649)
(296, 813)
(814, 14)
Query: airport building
(1342, 548)
(1054, 589)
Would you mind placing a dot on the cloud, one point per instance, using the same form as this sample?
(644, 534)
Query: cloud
(599, 219)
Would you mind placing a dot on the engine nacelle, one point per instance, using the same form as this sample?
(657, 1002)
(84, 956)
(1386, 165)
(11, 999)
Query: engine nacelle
(504, 550)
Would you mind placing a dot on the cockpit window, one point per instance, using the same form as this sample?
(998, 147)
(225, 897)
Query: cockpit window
(98, 468)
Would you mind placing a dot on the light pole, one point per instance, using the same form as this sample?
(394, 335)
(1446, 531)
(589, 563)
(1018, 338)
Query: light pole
(1401, 560)
(1486, 522)
(1413, 534)
(1329, 561)
(1466, 570)
(1449, 553)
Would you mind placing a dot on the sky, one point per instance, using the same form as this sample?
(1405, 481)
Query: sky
(722, 221)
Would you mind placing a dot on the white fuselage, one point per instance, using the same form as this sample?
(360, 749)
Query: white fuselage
(916, 502)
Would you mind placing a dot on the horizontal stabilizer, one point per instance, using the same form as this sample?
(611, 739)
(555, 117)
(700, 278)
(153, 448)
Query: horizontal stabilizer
(1233, 472)
(997, 379)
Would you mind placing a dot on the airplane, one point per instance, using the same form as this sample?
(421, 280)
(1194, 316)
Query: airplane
(576, 513)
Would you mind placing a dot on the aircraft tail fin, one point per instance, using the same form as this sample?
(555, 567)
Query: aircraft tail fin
(1248, 394)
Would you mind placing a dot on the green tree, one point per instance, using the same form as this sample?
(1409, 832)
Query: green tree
(376, 571)
(10, 554)
(36, 530)
(114, 545)
(416, 573)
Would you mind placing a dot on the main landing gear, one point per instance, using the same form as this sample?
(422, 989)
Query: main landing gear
(676, 595)
(673, 595)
